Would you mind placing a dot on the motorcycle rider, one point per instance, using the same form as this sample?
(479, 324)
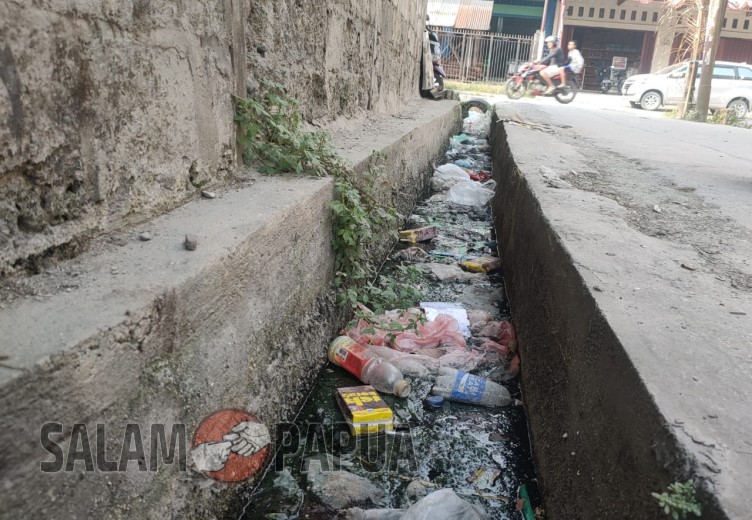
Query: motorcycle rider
(554, 59)
(574, 64)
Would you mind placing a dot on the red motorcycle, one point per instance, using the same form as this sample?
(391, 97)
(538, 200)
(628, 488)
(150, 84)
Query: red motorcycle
(528, 78)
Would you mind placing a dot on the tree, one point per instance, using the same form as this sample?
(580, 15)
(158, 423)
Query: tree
(717, 11)
(688, 17)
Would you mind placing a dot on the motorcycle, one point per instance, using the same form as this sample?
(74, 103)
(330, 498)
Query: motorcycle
(438, 70)
(528, 78)
(615, 79)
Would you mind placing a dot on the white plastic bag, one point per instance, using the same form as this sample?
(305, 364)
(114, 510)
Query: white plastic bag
(470, 194)
(444, 504)
(478, 126)
(451, 171)
(439, 185)
(446, 176)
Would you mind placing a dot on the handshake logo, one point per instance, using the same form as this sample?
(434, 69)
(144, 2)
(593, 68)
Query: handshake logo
(230, 446)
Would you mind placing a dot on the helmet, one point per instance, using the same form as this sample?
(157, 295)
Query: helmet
(551, 39)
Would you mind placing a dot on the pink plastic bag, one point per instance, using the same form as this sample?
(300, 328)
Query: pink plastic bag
(444, 331)
(491, 345)
(379, 329)
(500, 331)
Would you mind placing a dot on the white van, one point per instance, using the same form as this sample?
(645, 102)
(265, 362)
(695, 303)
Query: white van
(731, 87)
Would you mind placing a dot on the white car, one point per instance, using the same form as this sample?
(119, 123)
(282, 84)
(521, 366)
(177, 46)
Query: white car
(731, 87)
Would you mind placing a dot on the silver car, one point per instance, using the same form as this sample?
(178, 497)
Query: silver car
(731, 87)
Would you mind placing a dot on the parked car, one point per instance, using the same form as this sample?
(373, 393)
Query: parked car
(731, 87)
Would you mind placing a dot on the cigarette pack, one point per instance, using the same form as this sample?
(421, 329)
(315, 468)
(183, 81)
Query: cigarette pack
(418, 235)
(484, 264)
(364, 410)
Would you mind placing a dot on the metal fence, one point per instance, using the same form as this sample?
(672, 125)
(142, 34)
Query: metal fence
(481, 56)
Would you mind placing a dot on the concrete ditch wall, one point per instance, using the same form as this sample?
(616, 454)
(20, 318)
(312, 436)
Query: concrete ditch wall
(113, 112)
(601, 443)
(145, 332)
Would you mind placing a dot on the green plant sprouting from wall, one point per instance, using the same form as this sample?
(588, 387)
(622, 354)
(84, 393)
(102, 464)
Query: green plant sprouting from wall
(679, 500)
(272, 137)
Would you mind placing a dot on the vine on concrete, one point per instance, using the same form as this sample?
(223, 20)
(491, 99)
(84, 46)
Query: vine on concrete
(272, 138)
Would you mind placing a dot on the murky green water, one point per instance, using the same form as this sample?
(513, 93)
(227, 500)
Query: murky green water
(439, 448)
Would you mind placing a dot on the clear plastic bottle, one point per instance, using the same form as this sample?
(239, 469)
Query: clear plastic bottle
(368, 367)
(456, 385)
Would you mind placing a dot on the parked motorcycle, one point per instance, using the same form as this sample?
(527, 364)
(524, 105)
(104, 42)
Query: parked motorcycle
(528, 78)
(438, 70)
(613, 79)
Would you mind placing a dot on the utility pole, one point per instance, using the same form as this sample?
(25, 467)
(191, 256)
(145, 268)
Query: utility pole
(698, 40)
(716, 13)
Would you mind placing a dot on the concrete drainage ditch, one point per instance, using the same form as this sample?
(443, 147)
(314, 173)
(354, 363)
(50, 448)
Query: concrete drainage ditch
(483, 454)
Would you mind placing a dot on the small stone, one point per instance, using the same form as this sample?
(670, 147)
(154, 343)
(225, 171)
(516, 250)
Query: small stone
(497, 437)
(657, 209)
(145, 236)
(416, 490)
(565, 436)
(689, 267)
(191, 242)
(738, 313)
(597, 288)
(573, 454)
(208, 194)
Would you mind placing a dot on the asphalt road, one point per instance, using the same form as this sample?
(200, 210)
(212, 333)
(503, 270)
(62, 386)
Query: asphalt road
(655, 213)
(715, 160)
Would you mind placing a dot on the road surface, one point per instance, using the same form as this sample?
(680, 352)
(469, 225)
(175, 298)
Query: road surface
(655, 214)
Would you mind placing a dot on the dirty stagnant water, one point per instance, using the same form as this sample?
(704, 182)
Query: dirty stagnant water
(439, 448)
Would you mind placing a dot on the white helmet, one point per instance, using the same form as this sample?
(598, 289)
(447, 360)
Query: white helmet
(551, 39)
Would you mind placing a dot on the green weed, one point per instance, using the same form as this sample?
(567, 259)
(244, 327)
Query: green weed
(272, 138)
(679, 500)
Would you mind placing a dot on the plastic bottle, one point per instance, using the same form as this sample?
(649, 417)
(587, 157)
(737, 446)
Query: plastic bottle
(368, 367)
(456, 385)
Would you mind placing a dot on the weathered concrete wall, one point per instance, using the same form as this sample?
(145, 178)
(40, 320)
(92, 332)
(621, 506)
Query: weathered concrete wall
(149, 333)
(338, 56)
(601, 443)
(113, 112)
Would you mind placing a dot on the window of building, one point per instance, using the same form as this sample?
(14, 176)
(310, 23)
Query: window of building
(746, 24)
(591, 13)
(734, 23)
(612, 14)
(655, 17)
(744, 73)
(634, 16)
(601, 12)
(570, 10)
(644, 16)
(581, 11)
(622, 15)
(724, 22)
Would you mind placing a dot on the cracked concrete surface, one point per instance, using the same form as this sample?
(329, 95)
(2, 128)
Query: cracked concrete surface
(637, 318)
(115, 112)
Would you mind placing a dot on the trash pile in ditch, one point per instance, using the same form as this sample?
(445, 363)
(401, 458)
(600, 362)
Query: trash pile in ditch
(419, 414)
